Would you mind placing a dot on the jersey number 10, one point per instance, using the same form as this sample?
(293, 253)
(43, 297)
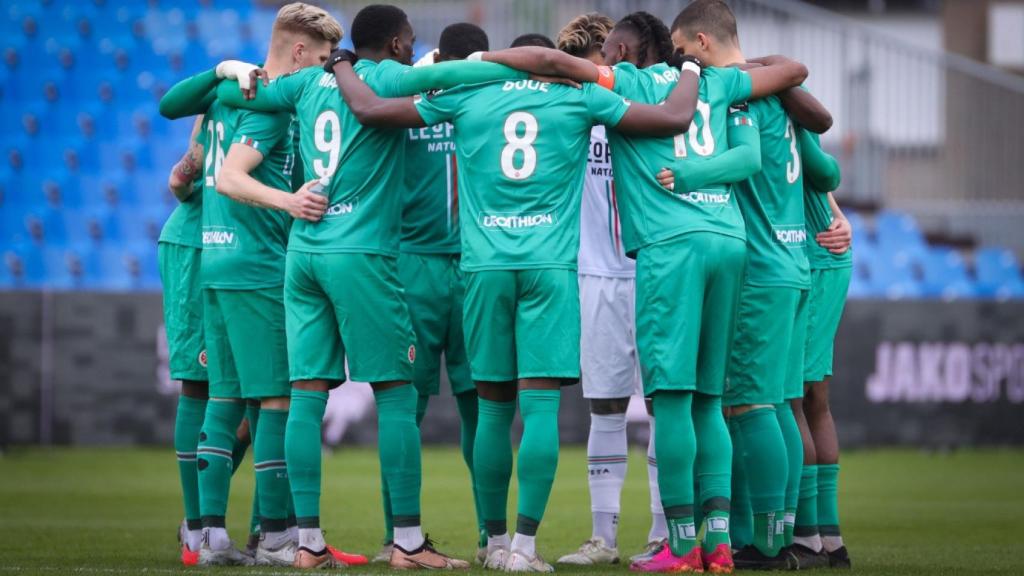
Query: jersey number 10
(702, 141)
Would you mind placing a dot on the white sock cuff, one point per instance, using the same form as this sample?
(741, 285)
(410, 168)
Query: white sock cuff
(608, 422)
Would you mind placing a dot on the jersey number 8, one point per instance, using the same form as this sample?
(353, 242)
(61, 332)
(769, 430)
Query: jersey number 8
(517, 143)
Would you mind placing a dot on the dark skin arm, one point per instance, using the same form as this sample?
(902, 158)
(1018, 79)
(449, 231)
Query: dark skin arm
(673, 117)
(801, 105)
(778, 74)
(370, 109)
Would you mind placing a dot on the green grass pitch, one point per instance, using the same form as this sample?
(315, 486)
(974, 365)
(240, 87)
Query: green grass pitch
(114, 511)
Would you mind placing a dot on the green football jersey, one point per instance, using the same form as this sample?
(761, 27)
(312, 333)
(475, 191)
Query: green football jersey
(772, 200)
(522, 151)
(365, 165)
(430, 196)
(649, 213)
(244, 246)
(817, 210)
(185, 224)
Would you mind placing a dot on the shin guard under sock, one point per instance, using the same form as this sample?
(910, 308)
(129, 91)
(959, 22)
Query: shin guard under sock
(676, 450)
(492, 462)
(399, 450)
(538, 455)
(302, 445)
(214, 458)
(188, 423)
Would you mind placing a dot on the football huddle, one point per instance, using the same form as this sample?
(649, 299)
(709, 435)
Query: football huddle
(634, 206)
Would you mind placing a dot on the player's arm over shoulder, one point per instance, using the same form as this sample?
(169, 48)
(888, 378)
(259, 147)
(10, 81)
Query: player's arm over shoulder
(280, 95)
(369, 108)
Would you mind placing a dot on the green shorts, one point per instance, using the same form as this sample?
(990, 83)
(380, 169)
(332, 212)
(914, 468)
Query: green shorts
(183, 311)
(347, 305)
(434, 293)
(687, 288)
(794, 385)
(246, 338)
(759, 359)
(523, 324)
(825, 308)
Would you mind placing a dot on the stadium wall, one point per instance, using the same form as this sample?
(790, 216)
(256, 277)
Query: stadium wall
(91, 369)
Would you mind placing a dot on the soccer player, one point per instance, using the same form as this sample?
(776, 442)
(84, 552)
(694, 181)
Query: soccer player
(609, 366)
(249, 162)
(179, 249)
(689, 241)
(817, 516)
(343, 295)
(771, 319)
(428, 266)
(520, 238)
(532, 39)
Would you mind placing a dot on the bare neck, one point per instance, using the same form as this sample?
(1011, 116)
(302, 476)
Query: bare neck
(277, 65)
(728, 57)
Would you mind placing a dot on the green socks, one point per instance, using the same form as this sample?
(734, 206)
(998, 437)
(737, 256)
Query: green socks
(252, 414)
(385, 495)
(795, 461)
(398, 445)
(538, 455)
(741, 522)
(271, 470)
(828, 499)
(492, 462)
(302, 454)
(468, 414)
(675, 445)
(763, 452)
(807, 510)
(214, 458)
(188, 422)
(714, 469)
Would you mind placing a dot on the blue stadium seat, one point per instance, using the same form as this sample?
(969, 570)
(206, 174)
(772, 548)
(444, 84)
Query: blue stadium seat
(167, 30)
(62, 189)
(859, 287)
(25, 266)
(998, 273)
(944, 275)
(109, 268)
(63, 269)
(898, 230)
(260, 24)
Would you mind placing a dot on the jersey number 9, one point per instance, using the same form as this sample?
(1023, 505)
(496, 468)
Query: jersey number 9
(327, 139)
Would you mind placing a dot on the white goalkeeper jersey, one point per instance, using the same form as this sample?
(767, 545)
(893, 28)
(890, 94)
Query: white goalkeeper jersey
(601, 251)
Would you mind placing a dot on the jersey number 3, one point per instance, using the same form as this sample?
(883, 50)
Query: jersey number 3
(516, 143)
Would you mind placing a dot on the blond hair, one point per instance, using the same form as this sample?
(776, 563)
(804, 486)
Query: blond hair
(584, 34)
(309, 20)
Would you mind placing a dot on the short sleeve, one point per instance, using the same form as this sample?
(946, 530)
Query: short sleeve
(261, 132)
(736, 83)
(624, 76)
(439, 107)
(605, 107)
(386, 78)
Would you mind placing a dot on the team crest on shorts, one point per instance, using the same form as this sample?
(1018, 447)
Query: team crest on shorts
(202, 358)
(412, 353)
